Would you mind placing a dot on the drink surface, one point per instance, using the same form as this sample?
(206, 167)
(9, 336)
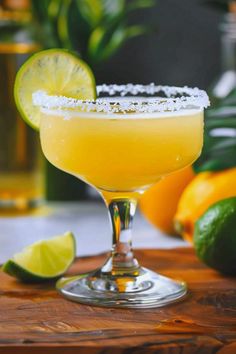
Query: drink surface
(121, 153)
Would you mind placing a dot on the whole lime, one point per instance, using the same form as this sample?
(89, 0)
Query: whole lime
(215, 236)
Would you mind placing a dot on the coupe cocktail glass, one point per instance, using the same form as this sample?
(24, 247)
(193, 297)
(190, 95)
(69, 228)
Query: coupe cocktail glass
(121, 144)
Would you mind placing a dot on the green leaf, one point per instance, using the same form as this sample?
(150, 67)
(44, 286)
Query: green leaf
(63, 25)
(54, 9)
(220, 123)
(136, 30)
(104, 43)
(222, 112)
(222, 145)
(40, 9)
(218, 153)
(140, 4)
(91, 11)
(112, 8)
(43, 28)
(211, 164)
(230, 99)
(219, 150)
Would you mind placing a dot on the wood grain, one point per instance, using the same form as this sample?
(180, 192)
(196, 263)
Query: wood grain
(35, 319)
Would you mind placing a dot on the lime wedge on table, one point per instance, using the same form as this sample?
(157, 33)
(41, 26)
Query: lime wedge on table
(55, 71)
(43, 260)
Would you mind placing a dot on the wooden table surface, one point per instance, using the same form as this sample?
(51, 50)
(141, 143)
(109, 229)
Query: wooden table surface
(35, 319)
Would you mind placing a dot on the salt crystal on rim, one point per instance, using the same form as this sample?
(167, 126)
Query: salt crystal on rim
(190, 98)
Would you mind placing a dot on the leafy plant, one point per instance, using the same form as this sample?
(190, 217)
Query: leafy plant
(96, 29)
(219, 150)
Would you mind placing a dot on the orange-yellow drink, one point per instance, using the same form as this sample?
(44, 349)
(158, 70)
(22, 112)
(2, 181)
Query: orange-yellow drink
(121, 152)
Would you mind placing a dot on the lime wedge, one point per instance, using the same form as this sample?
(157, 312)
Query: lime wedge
(43, 260)
(55, 71)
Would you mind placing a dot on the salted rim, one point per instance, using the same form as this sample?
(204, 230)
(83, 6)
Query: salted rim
(189, 98)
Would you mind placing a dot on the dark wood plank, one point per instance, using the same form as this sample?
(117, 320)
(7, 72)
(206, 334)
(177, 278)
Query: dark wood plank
(34, 318)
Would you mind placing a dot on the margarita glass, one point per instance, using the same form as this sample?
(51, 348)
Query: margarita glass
(122, 143)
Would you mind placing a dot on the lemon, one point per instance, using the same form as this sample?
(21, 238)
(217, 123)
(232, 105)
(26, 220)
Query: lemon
(43, 260)
(215, 236)
(55, 71)
(205, 189)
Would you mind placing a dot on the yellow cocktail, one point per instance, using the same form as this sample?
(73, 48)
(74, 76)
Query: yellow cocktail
(122, 145)
(124, 153)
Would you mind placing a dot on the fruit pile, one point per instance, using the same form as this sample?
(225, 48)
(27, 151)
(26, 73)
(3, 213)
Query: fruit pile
(198, 202)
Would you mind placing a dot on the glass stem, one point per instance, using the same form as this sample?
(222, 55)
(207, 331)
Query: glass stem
(122, 261)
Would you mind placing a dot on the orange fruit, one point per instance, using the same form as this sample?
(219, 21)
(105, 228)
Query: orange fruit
(159, 203)
(205, 189)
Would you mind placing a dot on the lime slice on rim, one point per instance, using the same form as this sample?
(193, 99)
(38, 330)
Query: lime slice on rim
(43, 260)
(55, 71)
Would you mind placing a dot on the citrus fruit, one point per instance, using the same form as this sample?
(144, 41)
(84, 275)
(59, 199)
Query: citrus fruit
(203, 191)
(43, 260)
(159, 203)
(55, 71)
(215, 236)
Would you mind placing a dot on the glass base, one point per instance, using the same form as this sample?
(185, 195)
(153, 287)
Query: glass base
(146, 290)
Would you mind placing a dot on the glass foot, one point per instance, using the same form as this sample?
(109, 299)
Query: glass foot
(146, 290)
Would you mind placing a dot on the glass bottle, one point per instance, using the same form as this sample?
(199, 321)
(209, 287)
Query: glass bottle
(21, 171)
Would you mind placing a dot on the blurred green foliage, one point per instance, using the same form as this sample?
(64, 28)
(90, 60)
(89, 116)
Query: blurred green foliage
(219, 150)
(96, 29)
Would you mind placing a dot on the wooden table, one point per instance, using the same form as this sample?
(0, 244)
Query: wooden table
(35, 319)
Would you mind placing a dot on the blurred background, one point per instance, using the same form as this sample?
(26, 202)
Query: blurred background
(183, 47)
(185, 42)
